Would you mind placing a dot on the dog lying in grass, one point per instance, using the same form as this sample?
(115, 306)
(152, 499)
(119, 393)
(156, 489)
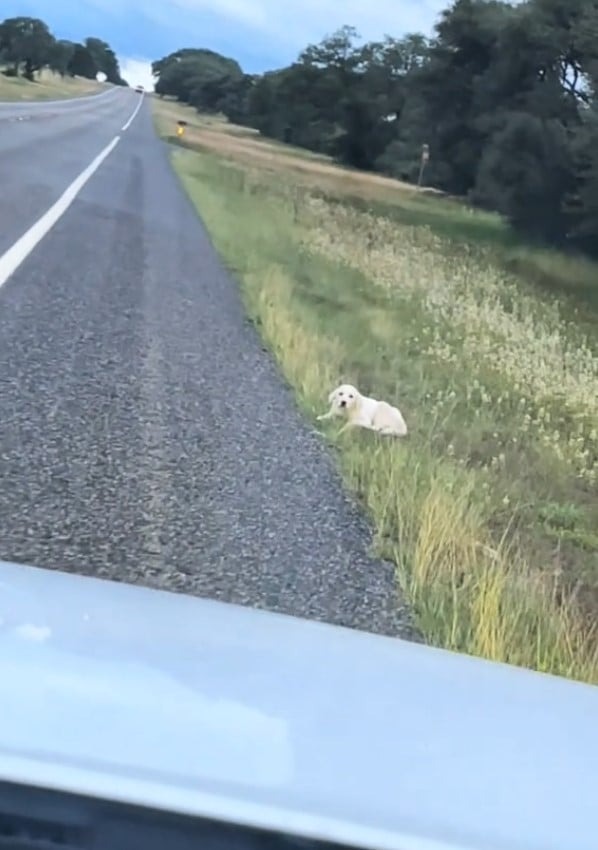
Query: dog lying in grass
(363, 412)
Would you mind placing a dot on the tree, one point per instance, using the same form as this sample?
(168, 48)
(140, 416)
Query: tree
(294, 105)
(160, 65)
(582, 202)
(26, 43)
(375, 100)
(340, 97)
(181, 73)
(27, 46)
(104, 59)
(531, 106)
(446, 87)
(504, 95)
(82, 63)
(61, 56)
(526, 172)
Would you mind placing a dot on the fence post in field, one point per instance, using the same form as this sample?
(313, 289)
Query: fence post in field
(424, 160)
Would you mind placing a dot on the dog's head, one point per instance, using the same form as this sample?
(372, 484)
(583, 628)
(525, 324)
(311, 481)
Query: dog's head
(344, 398)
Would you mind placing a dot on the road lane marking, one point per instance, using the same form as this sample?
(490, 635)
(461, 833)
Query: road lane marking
(12, 259)
(132, 118)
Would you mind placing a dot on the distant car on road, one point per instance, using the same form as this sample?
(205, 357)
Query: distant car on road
(139, 89)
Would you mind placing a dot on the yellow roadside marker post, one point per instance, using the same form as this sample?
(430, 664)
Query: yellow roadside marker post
(180, 129)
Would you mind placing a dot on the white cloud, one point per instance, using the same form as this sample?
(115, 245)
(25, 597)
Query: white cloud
(270, 29)
(298, 22)
(315, 16)
(137, 72)
(254, 13)
(29, 631)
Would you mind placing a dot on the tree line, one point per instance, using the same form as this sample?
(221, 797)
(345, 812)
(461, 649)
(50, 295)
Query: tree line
(503, 96)
(27, 45)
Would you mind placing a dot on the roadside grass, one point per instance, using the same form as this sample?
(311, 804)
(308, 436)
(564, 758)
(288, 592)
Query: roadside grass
(450, 218)
(247, 146)
(47, 86)
(571, 277)
(488, 508)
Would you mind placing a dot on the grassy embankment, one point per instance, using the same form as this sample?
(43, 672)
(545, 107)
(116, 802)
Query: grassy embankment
(47, 86)
(489, 509)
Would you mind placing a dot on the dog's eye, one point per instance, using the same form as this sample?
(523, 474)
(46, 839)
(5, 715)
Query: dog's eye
(350, 396)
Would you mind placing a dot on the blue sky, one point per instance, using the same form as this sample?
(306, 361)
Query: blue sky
(260, 34)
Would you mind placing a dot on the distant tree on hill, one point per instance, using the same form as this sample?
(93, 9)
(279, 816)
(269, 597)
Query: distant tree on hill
(61, 56)
(82, 63)
(104, 59)
(26, 44)
(202, 78)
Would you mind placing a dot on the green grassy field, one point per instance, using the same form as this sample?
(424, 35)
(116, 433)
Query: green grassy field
(47, 86)
(572, 278)
(489, 508)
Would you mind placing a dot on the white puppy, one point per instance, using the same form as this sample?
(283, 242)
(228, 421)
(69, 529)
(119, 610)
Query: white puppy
(363, 412)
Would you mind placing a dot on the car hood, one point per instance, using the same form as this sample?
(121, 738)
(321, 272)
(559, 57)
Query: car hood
(207, 708)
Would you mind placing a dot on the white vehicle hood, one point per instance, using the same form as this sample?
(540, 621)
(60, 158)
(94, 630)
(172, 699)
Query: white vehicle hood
(211, 709)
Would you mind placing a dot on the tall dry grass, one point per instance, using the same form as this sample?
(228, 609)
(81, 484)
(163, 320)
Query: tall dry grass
(488, 513)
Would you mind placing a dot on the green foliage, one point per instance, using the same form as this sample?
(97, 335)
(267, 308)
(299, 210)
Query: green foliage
(503, 95)
(25, 43)
(104, 59)
(204, 79)
(82, 63)
(61, 56)
(27, 46)
(526, 172)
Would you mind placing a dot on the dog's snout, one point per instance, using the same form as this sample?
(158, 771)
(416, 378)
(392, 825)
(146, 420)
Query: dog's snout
(343, 403)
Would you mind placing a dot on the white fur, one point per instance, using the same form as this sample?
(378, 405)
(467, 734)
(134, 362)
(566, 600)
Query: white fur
(361, 411)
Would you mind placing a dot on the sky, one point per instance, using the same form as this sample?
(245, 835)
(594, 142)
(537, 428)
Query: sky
(259, 34)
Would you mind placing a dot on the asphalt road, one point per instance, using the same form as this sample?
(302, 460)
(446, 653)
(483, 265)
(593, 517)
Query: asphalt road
(146, 436)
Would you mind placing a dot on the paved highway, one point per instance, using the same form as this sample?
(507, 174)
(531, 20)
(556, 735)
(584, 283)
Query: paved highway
(146, 436)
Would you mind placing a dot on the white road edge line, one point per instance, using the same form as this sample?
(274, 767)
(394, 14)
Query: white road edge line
(12, 259)
(133, 116)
